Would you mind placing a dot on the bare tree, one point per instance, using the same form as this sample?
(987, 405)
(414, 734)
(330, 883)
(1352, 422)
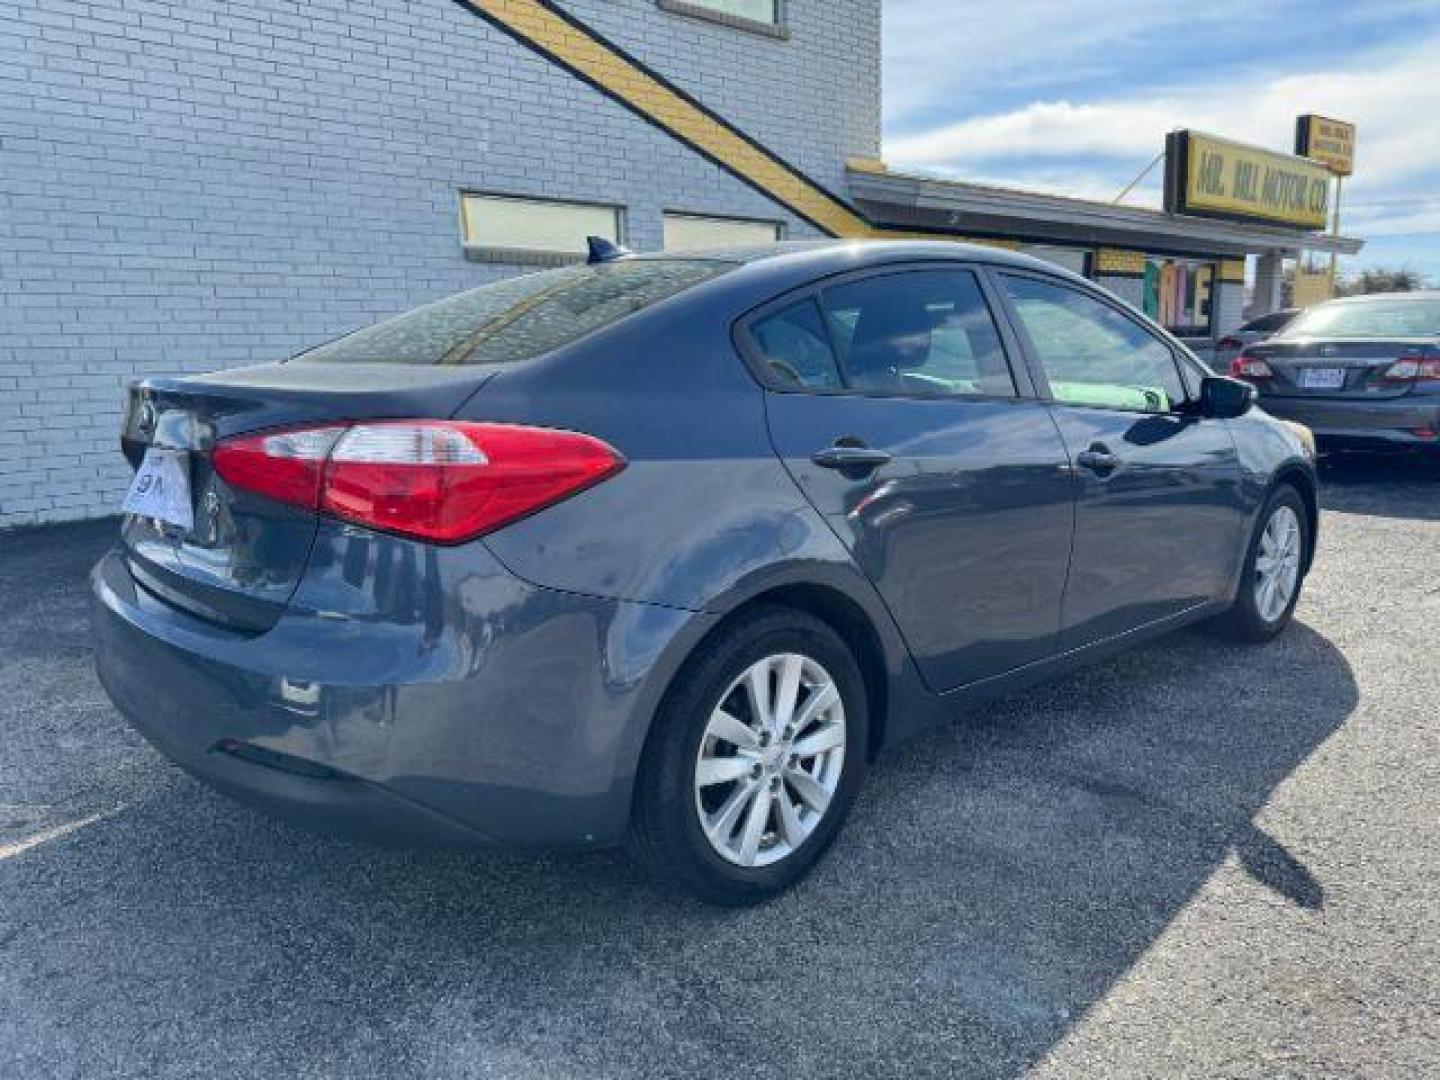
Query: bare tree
(1381, 280)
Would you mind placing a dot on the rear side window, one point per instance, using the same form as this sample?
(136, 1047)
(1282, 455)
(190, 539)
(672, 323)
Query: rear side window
(924, 332)
(795, 349)
(1268, 324)
(1092, 354)
(518, 318)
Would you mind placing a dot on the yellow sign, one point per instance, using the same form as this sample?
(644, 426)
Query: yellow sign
(1218, 178)
(1330, 142)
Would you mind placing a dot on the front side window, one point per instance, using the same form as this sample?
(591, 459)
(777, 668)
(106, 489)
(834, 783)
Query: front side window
(519, 318)
(500, 224)
(795, 349)
(921, 332)
(1092, 354)
(694, 232)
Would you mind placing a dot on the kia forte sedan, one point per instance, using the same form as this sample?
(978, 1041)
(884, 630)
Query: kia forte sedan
(662, 551)
(1362, 372)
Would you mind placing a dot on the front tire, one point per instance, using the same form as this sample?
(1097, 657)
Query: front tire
(754, 761)
(1274, 571)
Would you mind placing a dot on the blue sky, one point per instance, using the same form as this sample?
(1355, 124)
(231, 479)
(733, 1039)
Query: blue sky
(1075, 96)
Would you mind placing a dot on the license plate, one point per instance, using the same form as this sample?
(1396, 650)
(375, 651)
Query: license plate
(1322, 378)
(161, 488)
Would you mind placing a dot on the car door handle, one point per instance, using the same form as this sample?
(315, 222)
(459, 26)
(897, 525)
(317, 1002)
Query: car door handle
(844, 458)
(1098, 460)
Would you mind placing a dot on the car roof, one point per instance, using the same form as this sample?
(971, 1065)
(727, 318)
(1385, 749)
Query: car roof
(1366, 298)
(822, 256)
(791, 263)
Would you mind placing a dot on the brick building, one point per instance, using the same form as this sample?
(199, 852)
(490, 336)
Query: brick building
(186, 186)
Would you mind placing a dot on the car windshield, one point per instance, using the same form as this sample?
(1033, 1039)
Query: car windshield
(1369, 319)
(519, 318)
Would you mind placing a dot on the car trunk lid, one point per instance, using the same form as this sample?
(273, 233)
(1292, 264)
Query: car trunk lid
(240, 560)
(1337, 368)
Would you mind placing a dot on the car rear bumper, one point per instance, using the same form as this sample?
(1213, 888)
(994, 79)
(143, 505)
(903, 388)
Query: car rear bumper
(472, 709)
(1398, 421)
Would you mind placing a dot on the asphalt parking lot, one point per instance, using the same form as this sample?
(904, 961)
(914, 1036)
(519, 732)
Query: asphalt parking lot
(1195, 860)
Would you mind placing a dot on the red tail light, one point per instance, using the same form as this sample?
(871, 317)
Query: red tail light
(1245, 366)
(1413, 369)
(287, 465)
(440, 480)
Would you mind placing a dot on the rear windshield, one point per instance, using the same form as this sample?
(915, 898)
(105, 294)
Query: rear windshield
(518, 318)
(1369, 319)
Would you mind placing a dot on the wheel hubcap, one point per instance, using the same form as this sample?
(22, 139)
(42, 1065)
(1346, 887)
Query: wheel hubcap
(770, 760)
(1277, 564)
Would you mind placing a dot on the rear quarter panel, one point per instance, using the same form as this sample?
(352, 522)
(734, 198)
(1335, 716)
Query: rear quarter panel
(702, 505)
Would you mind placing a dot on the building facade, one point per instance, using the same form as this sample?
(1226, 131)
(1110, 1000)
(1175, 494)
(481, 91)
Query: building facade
(189, 186)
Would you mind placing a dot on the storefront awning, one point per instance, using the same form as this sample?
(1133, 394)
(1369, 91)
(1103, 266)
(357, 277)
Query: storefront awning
(905, 201)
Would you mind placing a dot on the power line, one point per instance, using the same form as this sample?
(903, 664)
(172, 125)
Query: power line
(1143, 173)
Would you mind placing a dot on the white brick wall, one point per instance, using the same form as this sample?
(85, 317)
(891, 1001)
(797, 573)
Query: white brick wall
(1229, 306)
(198, 184)
(804, 98)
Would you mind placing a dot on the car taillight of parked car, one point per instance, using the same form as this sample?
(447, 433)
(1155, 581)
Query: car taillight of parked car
(1413, 369)
(445, 481)
(1249, 367)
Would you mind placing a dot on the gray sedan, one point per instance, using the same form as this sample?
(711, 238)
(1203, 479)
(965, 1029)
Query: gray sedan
(662, 551)
(1363, 372)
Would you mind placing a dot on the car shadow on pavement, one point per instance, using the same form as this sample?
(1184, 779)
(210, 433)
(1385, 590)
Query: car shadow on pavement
(998, 876)
(1382, 485)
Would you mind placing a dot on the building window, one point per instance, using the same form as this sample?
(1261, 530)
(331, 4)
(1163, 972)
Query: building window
(694, 232)
(503, 228)
(762, 16)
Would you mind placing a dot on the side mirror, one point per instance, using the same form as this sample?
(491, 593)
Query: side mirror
(1225, 399)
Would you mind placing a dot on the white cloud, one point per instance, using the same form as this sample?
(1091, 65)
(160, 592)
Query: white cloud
(1118, 129)
(937, 56)
(1093, 148)
(1395, 217)
(942, 55)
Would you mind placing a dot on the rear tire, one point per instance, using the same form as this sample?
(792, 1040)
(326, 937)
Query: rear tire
(1274, 571)
(737, 813)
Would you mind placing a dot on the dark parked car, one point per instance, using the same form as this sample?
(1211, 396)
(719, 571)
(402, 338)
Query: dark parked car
(1251, 333)
(1364, 371)
(663, 551)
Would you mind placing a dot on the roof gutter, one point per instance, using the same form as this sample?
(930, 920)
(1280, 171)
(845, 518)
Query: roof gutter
(900, 200)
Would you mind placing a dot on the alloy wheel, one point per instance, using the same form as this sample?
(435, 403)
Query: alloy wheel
(1277, 564)
(770, 760)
